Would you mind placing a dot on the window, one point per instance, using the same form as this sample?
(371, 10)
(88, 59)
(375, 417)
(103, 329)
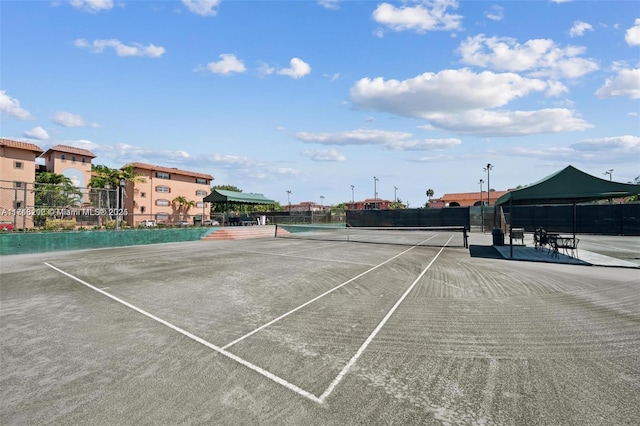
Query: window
(18, 204)
(17, 184)
(63, 157)
(142, 209)
(162, 216)
(164, 189)
(200, 205)
(18, 164)
(201, 180)
(84, 160)
(163, 203)
(163, 175)
(201, 193)
(73, 158)
(143, 195)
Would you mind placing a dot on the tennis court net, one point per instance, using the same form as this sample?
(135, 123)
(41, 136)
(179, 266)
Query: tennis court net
(451, 236)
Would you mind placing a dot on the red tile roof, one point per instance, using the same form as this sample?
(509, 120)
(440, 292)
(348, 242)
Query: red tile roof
(154, 168)
(71, 150)
(20, 145)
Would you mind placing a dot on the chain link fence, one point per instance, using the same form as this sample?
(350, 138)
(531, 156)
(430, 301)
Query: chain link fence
(30, 205)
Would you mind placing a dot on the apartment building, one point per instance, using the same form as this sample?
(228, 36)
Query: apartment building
(370, 204)
(152, 199)
(17, 171)
(74, 163)
(466, 199)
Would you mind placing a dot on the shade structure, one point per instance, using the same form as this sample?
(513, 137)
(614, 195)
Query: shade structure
(568, 186)
(223, 196)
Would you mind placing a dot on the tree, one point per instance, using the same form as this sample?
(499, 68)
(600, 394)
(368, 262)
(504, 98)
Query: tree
(105, 177)
(183, 203)
(429, 193)
(55, 190)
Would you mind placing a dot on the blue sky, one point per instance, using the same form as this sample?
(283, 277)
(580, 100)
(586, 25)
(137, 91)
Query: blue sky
(317, 96)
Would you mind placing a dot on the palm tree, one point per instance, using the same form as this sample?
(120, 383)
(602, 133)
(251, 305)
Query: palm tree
(182, 202)
(55, 190)
(429, 193)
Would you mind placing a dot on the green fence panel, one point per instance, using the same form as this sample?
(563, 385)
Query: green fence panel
(40, 242)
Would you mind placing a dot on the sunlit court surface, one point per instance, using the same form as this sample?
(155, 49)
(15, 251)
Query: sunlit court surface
(286, 331)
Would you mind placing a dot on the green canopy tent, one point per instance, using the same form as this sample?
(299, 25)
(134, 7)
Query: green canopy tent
(219, 196)
(567, 186)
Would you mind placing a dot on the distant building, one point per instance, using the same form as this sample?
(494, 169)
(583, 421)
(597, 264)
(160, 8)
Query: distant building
(153, 198)
(370, 204)
(465, 199)
(307, 206)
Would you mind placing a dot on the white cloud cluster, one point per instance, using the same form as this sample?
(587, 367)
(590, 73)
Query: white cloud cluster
(11, 107)
(396, 141)
(324, 155)
(202, 7)
(538, 57)
(632, 35)
(92, 6)
(426, 15)
(67, 119)
(466, 102)
(298, 69)
(330, 4)
(578, 29)
(227, 64)
(121, 49)
(626, 83)
(37, 133)
(495, 13)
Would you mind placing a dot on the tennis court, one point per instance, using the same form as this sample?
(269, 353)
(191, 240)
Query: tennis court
(287, 331)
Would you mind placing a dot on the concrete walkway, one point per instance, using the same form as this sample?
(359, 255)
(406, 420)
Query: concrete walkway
(527, 252)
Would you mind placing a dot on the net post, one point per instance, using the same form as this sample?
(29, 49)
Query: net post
(465, 237)
(275, 235)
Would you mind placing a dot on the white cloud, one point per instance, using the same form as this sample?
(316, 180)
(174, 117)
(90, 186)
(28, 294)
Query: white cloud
(11, 106)
(495, 13)
(424, 145)
(627, 143)
(578, 29)
(227, 64)
(324, 155)
(353, 137)
(509, 123)
(448, 90)
(92, 6)
(298, 69)
(202, 7)
(37, 133)
(330, 4)
(632, 36)
(67, 119)
(136, 49)
(539, 57)
(626, 83)
(428, 15)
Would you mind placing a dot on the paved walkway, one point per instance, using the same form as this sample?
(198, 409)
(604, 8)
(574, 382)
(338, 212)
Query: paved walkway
(528, 253)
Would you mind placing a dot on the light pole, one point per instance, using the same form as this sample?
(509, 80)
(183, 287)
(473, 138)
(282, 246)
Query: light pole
(610, 173)
(481, 204)
(395, 194)
(352, 199)
(321, 203)
(488, 169)
(375, 192)
(289, 199)
(121, 202)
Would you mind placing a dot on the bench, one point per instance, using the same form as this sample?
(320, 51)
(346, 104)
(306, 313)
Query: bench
(517, 234)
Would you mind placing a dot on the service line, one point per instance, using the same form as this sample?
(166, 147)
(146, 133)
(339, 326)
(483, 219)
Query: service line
(210, 345)
(362, 348)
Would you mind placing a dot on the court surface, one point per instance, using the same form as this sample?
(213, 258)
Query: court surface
(270, 331)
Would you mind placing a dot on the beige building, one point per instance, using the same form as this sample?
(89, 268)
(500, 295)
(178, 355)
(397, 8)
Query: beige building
(17, 174)
(153, 198)
(74, 163)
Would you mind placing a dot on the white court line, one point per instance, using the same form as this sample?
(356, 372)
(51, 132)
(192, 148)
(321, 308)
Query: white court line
(353, 360)
(239, 339)
(247, 364)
